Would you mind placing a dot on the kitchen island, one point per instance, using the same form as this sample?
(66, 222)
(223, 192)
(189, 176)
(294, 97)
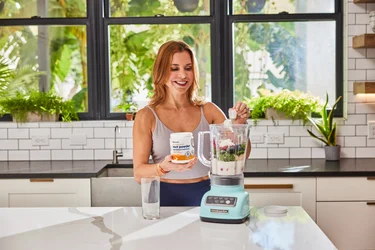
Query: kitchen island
(179, 228)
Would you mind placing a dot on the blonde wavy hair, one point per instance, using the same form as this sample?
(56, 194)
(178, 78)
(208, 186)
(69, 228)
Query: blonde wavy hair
(162, 69)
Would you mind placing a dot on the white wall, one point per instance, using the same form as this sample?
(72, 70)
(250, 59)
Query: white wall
(15, 139)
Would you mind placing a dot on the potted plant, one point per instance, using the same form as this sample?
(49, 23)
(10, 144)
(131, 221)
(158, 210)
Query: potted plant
(130, 110)
(38, 106)
(286, 104)
(186, 5)
(327, 128)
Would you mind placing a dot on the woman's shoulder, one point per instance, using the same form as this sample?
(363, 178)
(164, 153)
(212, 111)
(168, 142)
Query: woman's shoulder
(213, 113)
(145, 116)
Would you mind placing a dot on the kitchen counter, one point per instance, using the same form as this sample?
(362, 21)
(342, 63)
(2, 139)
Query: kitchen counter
(178, 228)
(253, 168)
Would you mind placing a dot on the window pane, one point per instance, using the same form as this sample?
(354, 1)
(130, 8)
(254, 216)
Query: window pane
(42, 8)
(132, 8)
(242, 7)
(133, 49)
(46, 58)
(285, 55)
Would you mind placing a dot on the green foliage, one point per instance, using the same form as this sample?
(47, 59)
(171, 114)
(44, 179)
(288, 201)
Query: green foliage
(128, 107)
(37, 102)
(325, 125)
(295, 104)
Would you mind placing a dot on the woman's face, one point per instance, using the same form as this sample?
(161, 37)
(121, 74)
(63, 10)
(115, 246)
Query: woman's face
(181, 72)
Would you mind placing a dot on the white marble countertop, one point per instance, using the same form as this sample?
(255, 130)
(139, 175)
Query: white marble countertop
(180, 228)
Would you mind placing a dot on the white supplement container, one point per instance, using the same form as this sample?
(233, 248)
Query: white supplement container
(182, 147)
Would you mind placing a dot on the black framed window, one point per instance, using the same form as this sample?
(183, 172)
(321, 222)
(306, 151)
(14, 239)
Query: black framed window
(295, 45)
(100, 52)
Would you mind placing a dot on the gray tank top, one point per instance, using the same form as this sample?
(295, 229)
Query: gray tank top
(160, 147)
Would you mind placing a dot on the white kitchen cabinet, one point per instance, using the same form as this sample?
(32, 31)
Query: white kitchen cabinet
(45, 192)
(283, 192)
(346, 211)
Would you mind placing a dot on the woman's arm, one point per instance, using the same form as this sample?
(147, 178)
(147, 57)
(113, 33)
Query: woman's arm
(142, 143)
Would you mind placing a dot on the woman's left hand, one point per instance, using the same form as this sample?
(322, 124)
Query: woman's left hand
(243, 113)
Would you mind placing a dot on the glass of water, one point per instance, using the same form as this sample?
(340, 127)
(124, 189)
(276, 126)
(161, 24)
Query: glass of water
(150, 187)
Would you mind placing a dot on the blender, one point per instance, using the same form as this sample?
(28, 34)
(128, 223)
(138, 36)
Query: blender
(226, 201)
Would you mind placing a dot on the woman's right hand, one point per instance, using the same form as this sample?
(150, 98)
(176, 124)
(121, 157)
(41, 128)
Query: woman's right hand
(167, 164)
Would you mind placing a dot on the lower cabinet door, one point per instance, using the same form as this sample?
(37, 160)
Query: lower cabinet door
(45, 193)
(283, 192)
(349, 225)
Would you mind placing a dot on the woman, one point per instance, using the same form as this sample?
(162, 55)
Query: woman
(175, 107)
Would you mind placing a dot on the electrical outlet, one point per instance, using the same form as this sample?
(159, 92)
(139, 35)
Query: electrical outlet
(40, 140)
(257, 138)
(371, 130)
(78, 139)
(273, 138)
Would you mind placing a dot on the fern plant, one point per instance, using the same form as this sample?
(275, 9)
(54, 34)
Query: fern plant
(325, 125)
(41, 103)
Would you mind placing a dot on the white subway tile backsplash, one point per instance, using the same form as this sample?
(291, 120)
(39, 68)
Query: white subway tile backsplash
(65, 144)
(27, 144)
(279, 129)
(8, 125)
(356, 8)
(40, 132)
(351, 108)
(18, 133)
(19, 155)
(361, 130)
(83, 154)
(356, 120)
(300, 153)
(93, 124)
(61, 132)
(347, 153)
(127, 154)
(3, 155)
(61, 155)
(129, 124)
(351, 18)
(89, 132)
(94, 144)
(310, 142)
(356, 75)
(365, 108)
(291, 142)
(365, 63)
(53, 144)
(318, 153)
(345, 130)
(299, 130)
(356, 53)
(3, 133)
(100, 154)
(50, 124)
(258, 153)
(351, 64)
(71, 124)
(355, 141)
(104, 133)
(365, 152)
(41, 155)
(356, 30)
(258, 129)
(362, 19)
(278, 153)
(8, 144)
(120, 144)
(112, 124)
(28, 125)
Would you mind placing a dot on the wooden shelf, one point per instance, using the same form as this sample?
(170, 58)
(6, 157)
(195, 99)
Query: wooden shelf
(364, 1)
(364, 41)
(364, 88)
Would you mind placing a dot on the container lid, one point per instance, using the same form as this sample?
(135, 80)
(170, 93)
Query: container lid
(182, 134)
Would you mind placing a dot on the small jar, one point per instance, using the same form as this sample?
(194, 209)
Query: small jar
(182, 147)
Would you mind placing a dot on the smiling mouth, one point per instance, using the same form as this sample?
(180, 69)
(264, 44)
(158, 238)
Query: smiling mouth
(181, 83)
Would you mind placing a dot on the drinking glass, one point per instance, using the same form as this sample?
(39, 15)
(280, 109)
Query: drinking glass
(150, 187)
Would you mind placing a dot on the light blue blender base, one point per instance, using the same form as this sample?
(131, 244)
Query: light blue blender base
(227, 212)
